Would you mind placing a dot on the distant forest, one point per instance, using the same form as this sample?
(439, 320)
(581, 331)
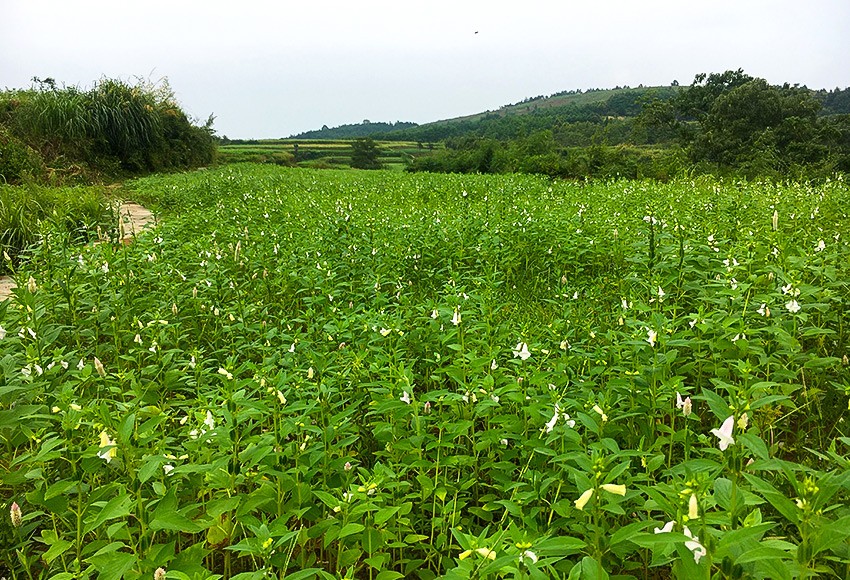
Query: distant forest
(354, 131)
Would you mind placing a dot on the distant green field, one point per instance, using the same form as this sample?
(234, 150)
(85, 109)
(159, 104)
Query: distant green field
(317, 153)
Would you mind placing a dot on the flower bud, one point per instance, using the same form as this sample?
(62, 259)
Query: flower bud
(159, 574)
(17, 516)
(98, 366)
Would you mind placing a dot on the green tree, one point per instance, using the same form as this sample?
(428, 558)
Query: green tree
(364, 154)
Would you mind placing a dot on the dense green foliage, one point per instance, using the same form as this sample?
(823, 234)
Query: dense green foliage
(365, 154)
(734, 122)
(355, 130)
(724, 124)
(113, 128)
(380, 375)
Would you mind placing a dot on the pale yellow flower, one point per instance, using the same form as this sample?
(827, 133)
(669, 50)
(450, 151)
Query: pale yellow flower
(583, 499)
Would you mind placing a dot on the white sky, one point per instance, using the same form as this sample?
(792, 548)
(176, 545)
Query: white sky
(275, 68)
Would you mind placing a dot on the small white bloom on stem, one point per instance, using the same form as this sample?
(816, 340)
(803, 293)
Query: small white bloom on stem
(167, 468)
(456, 317)
(528, 555)
(405, 397)
(225, 373)
(521, 351)
(774, 222)
(31, 285)
(694, 545)
(107, 447)
(651, 337)
(724, 434)
(310, 373)
(551, 423)
(666, 528)
(820, 247)
(348, 466)
(209, 420)
(435, 314)
(793, 306)
(764, 310)
(159, 574)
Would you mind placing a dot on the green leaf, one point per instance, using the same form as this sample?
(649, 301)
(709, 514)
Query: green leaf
(117, 507)
(349, 529)
(588, 569)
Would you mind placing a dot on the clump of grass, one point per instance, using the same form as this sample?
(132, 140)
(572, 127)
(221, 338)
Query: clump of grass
(76, 214)
(114, 127)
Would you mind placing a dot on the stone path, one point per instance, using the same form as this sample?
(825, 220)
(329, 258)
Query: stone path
(133, 219)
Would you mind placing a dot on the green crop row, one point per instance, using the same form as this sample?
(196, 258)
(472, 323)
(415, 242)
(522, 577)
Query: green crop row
(345, 374)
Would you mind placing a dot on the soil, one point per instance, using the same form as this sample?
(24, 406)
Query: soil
(134, 219)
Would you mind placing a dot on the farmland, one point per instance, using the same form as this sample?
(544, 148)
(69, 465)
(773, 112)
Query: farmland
(379, 375)
(316, 153)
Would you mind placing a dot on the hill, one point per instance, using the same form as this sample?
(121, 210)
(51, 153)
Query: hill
(354, 130)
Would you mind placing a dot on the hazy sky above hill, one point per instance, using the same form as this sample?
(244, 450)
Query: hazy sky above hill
(275, 68)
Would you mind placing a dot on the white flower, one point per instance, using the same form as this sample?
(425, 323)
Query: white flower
(694, 545)
(107, 447)
(405, 397)
(385, 331)
(651, 337)
(666, 528)
(570, 422)
(310, 374)
(774, 222)
(456, 317)
(820, 247)
(724, 434)
(493, 365)
(661, 294)
(764, 310)
(167, 468)
(733, 283)
(209, 421)
(225, 373)
(793, 306)
(528, 555)
(521, 351)
(551, 423)
(2, 333)
(435, 314)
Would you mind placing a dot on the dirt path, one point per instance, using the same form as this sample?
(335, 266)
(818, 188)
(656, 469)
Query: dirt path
(133, 220)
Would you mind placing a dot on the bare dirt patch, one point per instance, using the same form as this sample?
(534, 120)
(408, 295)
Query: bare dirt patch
(133, 219)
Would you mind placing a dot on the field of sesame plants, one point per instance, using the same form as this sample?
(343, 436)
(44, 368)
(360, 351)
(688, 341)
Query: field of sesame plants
(338, 374)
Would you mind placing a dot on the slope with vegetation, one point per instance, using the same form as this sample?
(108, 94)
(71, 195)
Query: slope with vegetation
(62, 133)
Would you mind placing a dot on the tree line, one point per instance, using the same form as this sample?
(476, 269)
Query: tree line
(723, 123)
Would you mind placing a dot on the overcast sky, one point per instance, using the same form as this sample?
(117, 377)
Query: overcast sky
(275, 68)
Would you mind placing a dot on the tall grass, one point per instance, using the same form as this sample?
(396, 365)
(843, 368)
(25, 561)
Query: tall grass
(27, 213)
(114, 126)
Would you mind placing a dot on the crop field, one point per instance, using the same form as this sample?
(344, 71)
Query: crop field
(310, 152)
(345, 374)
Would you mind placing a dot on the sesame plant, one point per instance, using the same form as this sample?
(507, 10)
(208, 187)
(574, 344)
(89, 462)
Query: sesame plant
(335, 374)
